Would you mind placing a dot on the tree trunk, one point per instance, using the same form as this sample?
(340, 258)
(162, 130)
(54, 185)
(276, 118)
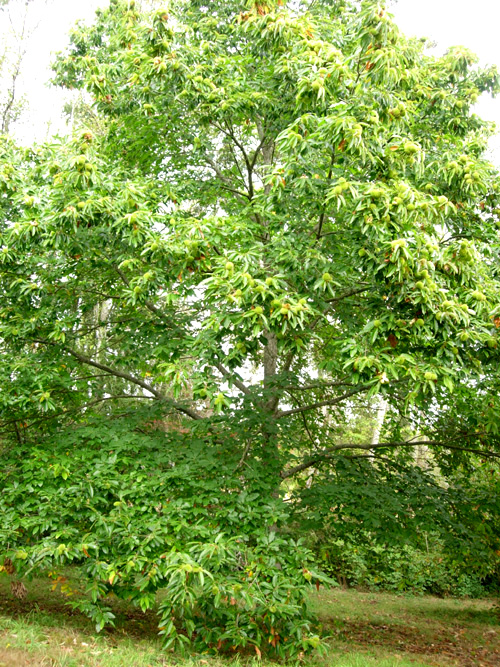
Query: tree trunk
(379, 420)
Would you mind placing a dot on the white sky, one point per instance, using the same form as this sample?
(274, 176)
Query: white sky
(475, 25)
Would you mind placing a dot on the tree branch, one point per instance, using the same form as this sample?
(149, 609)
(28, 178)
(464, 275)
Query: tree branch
(304, 419)
(131, 378)
(327, 454)
(319, 385)
(242, 196)
(347, 294)
(152, 308)
(321, 404)
(235, 380)
(274, 402)
(322, 216)
(244, 455)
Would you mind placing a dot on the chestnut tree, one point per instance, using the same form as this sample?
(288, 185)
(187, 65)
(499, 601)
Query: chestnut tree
(285, 207)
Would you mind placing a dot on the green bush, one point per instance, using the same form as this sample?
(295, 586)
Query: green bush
(398, 568)
(139, 513)
(403, 528)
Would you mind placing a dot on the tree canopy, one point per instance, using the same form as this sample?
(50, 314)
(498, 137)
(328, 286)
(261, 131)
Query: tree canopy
(286, 209)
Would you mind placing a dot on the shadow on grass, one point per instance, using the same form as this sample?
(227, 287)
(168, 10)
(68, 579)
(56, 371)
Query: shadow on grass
(451, 611)
(461, 616)
(51, 609)
(465, 632)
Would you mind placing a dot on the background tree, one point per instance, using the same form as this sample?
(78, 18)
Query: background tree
(18, 27)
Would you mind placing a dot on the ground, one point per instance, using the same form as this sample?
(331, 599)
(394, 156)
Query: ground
(364, 629)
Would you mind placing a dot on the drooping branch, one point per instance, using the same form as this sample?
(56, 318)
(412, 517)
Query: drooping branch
(322, 404)
(327, 454)
(100, 325)
(131, 378)
(332, 301)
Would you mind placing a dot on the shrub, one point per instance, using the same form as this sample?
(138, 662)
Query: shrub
(140, 513)
(373, 565)
(403, 528)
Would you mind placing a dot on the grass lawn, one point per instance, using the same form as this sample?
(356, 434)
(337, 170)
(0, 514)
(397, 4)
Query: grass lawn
(365, 629)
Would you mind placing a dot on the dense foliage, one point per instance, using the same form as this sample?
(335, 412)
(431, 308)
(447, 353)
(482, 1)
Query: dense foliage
(403, 529)
(284, 208)
(145, 511)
